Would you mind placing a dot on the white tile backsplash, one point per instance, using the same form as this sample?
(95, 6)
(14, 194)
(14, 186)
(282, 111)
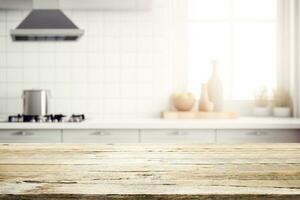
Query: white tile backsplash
(111, 45)
(130, 108)
(47, 47)
(31, 60)
(121, 67)
(47, 75)
(3, 30)
(2, 75)
(112, 90)
(93, 106)
(14, 75)
(129, 74)
(3, 91)
(47, 60)
(14, 59)
(128, 45)
(3, 59)
(112, 74)
(78, 75)
(2, 43)
(112, 106)
(2, 17)
(78, 90)
(129, 91)
(62, 90)
(95, 91)
(31, 75)
(14, 106)
(14, 90)
(14, 16)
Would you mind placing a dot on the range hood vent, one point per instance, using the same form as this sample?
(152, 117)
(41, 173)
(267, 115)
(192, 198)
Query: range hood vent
(46, 25)
(103, 5)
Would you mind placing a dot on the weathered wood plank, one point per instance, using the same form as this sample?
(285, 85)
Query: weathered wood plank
(152, 197)
(152, 171)
(142, 167)
(148, 147)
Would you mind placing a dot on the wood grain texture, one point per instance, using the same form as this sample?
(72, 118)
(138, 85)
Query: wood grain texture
(264, 171)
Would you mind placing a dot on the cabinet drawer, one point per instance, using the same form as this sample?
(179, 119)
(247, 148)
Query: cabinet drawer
(258, 136)
(101, 136)
(30, 136)
(178, 136)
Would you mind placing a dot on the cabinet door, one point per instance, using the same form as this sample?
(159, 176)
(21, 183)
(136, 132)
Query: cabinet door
(258, 136)
(178, 136)
(30, 136)
(101, 136)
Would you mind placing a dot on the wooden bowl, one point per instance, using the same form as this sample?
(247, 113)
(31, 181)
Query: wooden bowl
(183, 101)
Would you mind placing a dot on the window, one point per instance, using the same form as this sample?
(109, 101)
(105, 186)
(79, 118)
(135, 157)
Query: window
(242, 36)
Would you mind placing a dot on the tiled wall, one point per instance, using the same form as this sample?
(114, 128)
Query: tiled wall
(122, 67)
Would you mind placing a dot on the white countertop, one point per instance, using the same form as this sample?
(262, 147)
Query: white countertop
(240, 123)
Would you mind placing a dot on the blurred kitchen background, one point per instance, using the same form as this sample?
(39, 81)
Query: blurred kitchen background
(130, 61)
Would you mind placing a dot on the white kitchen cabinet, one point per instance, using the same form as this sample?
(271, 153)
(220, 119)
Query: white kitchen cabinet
(101, 136)
(178, 136)
(257, 136)
(30, 136)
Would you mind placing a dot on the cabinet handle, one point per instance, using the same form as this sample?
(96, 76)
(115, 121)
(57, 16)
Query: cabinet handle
(23, 133)
(252, 133)
(263, 133)
(174, 133)
(257, 133)
(177, 133)
(101, 133)
(184, 133)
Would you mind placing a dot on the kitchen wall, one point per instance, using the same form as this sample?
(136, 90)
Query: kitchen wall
(124, 66)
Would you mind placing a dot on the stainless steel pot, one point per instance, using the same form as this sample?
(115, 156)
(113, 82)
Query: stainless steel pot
(35, 102)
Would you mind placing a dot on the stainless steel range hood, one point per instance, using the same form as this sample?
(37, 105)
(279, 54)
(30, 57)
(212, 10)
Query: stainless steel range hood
(46, 25)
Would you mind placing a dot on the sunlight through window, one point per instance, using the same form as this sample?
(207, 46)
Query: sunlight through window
(242, 36)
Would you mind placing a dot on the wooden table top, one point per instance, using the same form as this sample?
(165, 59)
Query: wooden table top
(47, 171)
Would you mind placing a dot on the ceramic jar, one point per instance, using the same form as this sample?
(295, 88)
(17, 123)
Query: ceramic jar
(261, 111)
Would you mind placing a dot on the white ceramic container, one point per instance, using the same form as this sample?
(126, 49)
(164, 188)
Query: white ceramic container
(282, 112)
(261, 111)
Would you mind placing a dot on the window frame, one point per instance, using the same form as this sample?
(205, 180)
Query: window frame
(232, 21)
(288, 14)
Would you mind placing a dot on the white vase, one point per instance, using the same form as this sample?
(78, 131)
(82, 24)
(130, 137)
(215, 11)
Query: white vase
(215, 89)
(205, 105)
(261, 111)
(282, 112)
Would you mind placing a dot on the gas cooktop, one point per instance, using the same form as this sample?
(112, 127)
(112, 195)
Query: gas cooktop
(53, 118)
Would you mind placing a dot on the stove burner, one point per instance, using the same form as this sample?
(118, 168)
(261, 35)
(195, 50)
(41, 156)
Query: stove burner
(77, 118)
(58, 118)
